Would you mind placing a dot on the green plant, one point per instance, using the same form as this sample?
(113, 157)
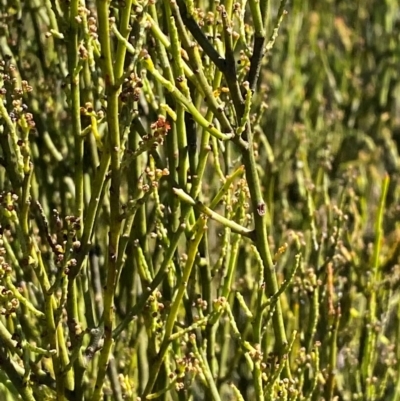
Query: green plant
(199, 200)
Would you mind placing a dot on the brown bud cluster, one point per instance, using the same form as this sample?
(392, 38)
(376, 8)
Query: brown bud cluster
(131, 88)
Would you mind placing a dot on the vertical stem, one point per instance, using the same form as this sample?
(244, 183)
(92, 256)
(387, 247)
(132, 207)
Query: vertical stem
(260, 222)
(330, 383)
(112, 77)
(72, 300)
(176, 304)
(75, 107)
(371, 317)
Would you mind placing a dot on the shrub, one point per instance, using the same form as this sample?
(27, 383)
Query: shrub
(199, 200)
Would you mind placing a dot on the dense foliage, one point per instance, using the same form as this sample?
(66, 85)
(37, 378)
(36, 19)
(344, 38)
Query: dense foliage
(199, 200)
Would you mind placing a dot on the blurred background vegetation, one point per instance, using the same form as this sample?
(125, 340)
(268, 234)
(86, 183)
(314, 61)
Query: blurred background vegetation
(88, 222)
